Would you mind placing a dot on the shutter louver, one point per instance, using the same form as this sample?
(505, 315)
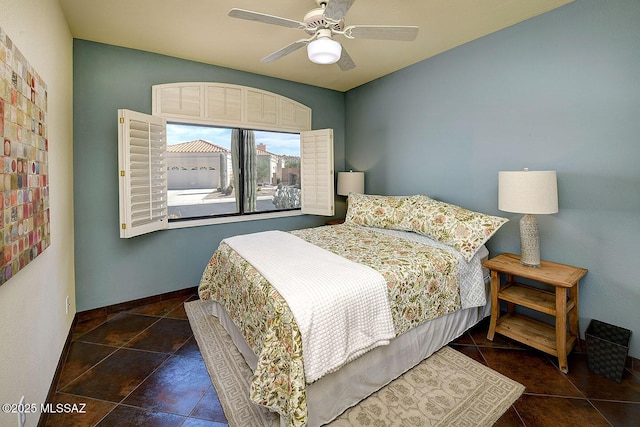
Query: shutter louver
(317, 172)
(142, 146)
(223, 104)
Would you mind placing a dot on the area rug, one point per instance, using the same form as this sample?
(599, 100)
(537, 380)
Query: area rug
(447, 389)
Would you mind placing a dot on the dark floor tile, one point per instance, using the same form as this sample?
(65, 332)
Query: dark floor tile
(81, 357)
(76, 411)
(175, 390)
(178, 312)
(509, 419)
(619, 414)
(119, 330)
(209, 407)
(479, 336)
(176, 387)
(547, 411)
(166, 336)
(124, 415)
(117, 375)
(189, 349)
(596, 386)
(83, 327)
(464, 339)
(160, 308)
(532, 369)
(470, 351)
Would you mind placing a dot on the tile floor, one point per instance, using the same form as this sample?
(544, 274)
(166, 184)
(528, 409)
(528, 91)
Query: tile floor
(142, 367)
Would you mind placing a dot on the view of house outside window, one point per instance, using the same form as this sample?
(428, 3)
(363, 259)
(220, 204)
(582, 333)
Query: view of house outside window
(217, 171)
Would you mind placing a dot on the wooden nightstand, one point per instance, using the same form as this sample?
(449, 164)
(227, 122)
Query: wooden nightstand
(556, 341)
(335, 222)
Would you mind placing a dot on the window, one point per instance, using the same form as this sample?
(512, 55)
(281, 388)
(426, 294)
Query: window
(144, 170)
(221, 171)
(161, 173)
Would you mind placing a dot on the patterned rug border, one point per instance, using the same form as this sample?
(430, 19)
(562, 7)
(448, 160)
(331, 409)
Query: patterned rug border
(231, 377)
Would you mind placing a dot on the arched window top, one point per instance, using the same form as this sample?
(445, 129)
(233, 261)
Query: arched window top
(229, 105)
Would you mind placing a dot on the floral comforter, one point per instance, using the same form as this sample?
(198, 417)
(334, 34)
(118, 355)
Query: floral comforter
(422, 281)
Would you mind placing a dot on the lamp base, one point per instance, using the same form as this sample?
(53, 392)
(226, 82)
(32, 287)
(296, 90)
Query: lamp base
(529, 241)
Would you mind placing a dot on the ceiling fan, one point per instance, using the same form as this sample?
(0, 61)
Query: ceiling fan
(322, 23)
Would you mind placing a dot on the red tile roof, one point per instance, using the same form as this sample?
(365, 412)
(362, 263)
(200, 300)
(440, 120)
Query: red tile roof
(197, 146)
(202, 146)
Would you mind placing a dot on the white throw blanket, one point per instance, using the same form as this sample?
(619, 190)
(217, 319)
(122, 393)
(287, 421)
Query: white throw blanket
(340, 306)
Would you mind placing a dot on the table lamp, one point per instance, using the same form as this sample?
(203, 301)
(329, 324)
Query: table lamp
(350, 182)
(528, 192)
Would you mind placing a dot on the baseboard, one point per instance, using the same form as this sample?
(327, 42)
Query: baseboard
(128, 305)
(42, 421)
(97, 312)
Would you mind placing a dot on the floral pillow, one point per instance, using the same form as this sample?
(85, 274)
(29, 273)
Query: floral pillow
(373, 211)
(408, 215)
(464, 230)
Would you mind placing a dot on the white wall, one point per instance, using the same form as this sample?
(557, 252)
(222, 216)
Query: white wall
(33, 323)
(194, 170)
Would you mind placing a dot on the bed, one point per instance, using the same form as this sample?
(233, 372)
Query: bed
(421, 256)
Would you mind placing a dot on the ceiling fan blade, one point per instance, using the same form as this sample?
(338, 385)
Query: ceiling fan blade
(336, 9)
(345, 62)
(285, 50)
(381, 32)
(264, 18)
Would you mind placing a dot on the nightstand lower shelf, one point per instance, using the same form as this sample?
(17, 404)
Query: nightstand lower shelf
(561, 303)
(533, 333)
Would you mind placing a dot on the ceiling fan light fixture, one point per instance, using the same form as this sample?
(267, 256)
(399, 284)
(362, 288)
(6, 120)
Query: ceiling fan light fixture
(324, 50)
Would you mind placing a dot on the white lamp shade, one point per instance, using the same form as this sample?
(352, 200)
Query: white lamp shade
(350, 182)
(324, 51)
(528, 192)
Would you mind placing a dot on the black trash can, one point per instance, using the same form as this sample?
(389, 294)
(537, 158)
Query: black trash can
(607, 349)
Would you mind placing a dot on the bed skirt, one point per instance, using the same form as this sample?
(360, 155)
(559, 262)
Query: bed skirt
(332, 394)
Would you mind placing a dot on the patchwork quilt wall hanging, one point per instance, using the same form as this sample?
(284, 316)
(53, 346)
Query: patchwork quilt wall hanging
(24, 190)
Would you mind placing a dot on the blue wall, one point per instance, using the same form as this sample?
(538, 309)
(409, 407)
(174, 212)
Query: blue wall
(110, 270)
(558, 92)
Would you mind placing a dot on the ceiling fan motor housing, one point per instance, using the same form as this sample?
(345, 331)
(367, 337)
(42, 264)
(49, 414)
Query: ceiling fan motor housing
(315, 20)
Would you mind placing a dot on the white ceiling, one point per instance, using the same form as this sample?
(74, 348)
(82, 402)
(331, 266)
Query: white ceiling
(200, 30)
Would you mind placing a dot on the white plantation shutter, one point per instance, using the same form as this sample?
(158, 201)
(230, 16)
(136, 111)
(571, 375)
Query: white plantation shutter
(223, 104)
(142, 161)
(316, 157)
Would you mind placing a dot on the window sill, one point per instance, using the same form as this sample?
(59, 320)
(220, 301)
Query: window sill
(230, 219)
